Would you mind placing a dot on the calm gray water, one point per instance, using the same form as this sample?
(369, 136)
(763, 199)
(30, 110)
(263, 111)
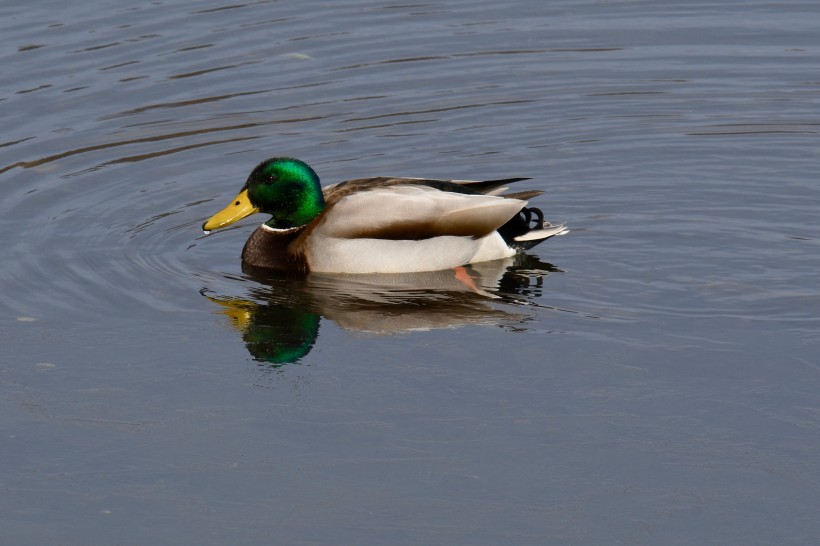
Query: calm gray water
(651, 378)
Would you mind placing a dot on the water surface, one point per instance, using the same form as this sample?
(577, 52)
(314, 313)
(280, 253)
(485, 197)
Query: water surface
(651, 378)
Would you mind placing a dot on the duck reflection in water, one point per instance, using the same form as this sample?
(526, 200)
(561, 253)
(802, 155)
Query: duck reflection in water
(279, 320)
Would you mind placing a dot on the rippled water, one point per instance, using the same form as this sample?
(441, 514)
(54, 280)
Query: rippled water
(651, 378)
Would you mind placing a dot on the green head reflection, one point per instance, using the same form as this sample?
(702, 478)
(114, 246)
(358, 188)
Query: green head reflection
(279, 335)
(272, 334)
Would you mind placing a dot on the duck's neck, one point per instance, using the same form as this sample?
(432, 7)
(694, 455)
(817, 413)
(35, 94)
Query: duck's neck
(268, 249)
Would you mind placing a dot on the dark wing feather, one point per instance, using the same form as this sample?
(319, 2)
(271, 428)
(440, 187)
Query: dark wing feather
(486, 186)
(523, 195)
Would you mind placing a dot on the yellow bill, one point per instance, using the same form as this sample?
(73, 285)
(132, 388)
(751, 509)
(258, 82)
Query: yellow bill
(241, 207)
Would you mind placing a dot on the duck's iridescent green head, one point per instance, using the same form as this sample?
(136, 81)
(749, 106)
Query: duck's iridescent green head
(285, 188)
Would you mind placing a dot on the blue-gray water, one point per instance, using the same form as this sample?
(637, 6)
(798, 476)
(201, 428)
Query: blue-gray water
(651, 378)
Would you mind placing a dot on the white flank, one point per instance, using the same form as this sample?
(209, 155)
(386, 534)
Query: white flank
(339, 255)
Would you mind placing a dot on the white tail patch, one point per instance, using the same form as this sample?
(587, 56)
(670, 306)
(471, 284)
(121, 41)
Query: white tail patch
(546, 231)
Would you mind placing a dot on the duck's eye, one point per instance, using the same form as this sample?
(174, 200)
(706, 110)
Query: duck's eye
(237, 203)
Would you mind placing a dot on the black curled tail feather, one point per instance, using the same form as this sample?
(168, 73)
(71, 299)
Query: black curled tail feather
(527, 219)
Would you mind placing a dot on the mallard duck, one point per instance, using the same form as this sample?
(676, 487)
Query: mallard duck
(381, 224)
